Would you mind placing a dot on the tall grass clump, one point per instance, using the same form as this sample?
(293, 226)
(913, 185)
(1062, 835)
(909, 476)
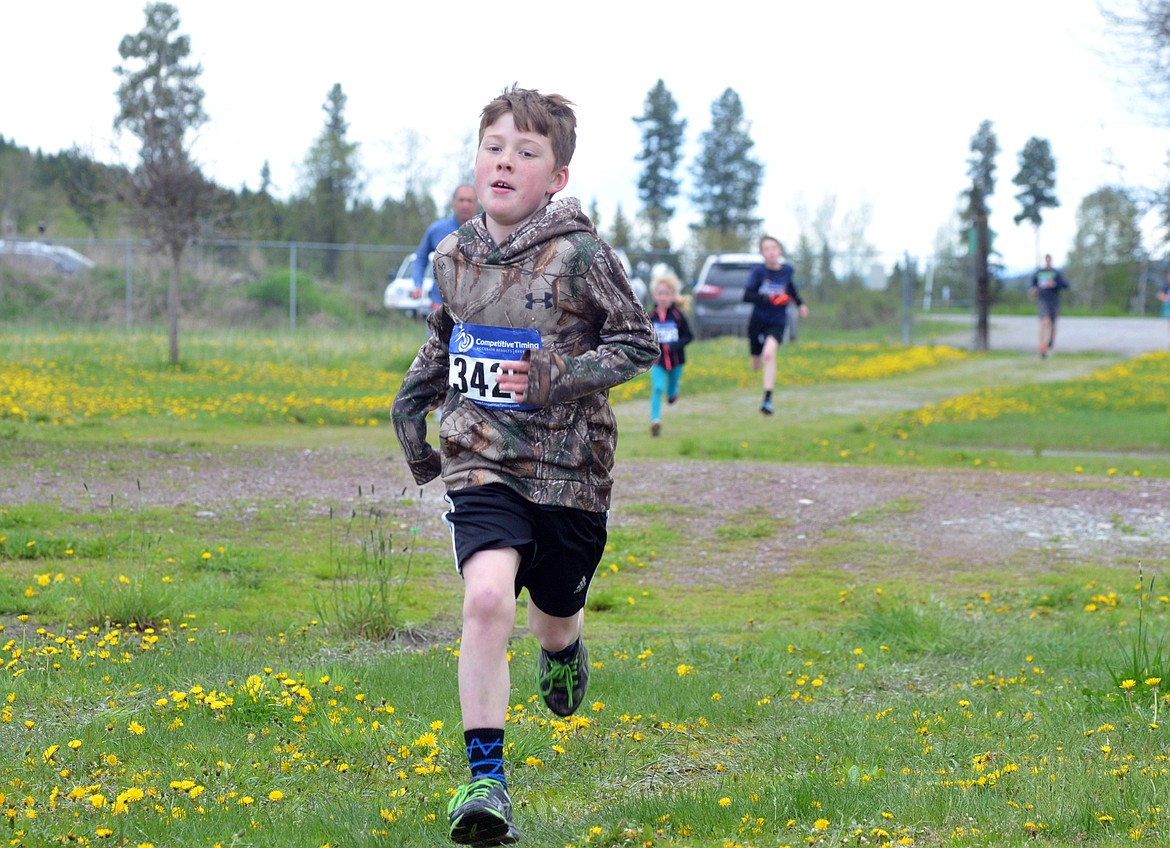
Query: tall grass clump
(1145, 661)
(364, 597)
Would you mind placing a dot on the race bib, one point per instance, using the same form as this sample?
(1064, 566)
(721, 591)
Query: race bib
(667, 331)
(476, 353)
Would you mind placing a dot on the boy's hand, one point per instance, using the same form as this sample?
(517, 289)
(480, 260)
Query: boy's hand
(514, 379)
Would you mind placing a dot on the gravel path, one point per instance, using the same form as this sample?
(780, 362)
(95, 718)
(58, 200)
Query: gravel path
(1128, 336)
(955, 519)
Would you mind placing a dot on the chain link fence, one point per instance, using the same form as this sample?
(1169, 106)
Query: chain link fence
(234, 283)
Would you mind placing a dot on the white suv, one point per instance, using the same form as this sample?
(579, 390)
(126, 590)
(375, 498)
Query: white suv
(399, 292)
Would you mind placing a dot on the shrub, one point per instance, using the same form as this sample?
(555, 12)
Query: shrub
(272, 291)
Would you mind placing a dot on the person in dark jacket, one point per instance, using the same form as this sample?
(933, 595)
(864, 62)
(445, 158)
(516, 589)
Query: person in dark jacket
(771, 290)
(674, 334)
(1047, 284)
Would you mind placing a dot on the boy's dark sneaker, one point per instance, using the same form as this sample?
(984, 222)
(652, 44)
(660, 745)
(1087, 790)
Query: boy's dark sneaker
(655, 428)
(481, 814)
(562, 685)
(673, 399)
(766, 407)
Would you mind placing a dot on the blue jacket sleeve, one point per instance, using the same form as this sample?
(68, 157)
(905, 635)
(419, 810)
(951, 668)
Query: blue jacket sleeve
(421, 257)
(751, 291)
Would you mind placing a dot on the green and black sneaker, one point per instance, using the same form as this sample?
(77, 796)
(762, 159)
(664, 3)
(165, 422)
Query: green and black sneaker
(562, 685)
(481, 814)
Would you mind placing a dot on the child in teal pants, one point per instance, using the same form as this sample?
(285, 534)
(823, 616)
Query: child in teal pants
(674, 334)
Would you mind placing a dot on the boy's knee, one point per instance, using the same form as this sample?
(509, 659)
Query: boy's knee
(487, 602)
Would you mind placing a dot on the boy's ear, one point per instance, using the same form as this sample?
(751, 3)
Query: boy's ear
(559, 180)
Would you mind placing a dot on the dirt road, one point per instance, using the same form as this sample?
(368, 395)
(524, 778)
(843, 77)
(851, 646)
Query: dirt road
(1127, 336)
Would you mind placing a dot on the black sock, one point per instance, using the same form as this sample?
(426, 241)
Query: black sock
(485, 753)
(567, 653)
(767, 395)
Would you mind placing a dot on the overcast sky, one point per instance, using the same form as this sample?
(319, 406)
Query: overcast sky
(872, 103)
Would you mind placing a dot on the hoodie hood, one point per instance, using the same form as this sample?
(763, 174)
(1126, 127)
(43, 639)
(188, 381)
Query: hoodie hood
(559, 218)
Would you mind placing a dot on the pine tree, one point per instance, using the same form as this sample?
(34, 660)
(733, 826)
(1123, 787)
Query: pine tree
(662, 135)
(619, 232)
(332, 175)
(727, 178)
(1036, 179)
(160, 104)
(981, 170)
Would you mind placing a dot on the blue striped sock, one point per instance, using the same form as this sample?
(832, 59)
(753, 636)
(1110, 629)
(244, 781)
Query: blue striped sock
(485, 753)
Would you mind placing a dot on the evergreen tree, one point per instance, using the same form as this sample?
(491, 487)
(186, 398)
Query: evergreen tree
(1036, 179)
(727, 178)
(662, 136)
(160, 103)
(595, 214)
(619, 232)
(981, 170)
(331, 169)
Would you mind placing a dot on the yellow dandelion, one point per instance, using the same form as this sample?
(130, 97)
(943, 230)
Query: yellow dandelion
(275, 795)
(821, 824)
(724, 802)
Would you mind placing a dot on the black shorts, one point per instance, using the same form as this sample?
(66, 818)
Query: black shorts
(1047, 307)
(758, 332)
(560, 547)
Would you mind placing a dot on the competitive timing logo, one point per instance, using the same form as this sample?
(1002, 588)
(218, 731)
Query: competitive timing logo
(478, 340)
(464, 341)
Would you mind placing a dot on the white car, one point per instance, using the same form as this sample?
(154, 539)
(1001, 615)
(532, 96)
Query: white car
(399, 292)
(636, 283)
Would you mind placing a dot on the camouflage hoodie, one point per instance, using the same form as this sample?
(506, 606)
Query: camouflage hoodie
(552, 283)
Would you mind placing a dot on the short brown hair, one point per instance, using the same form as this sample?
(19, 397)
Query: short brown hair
(549, 115)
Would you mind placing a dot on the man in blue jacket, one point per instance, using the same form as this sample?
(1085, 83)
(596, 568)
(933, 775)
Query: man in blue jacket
(463, 206)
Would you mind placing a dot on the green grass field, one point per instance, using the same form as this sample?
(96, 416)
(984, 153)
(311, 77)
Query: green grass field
(277, 676)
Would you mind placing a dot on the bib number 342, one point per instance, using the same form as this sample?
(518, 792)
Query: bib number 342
(477, 378)
(476, 357)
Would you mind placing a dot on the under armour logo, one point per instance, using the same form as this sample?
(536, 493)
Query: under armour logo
(545, 300)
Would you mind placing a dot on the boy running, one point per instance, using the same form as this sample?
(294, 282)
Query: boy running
(538, 321)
